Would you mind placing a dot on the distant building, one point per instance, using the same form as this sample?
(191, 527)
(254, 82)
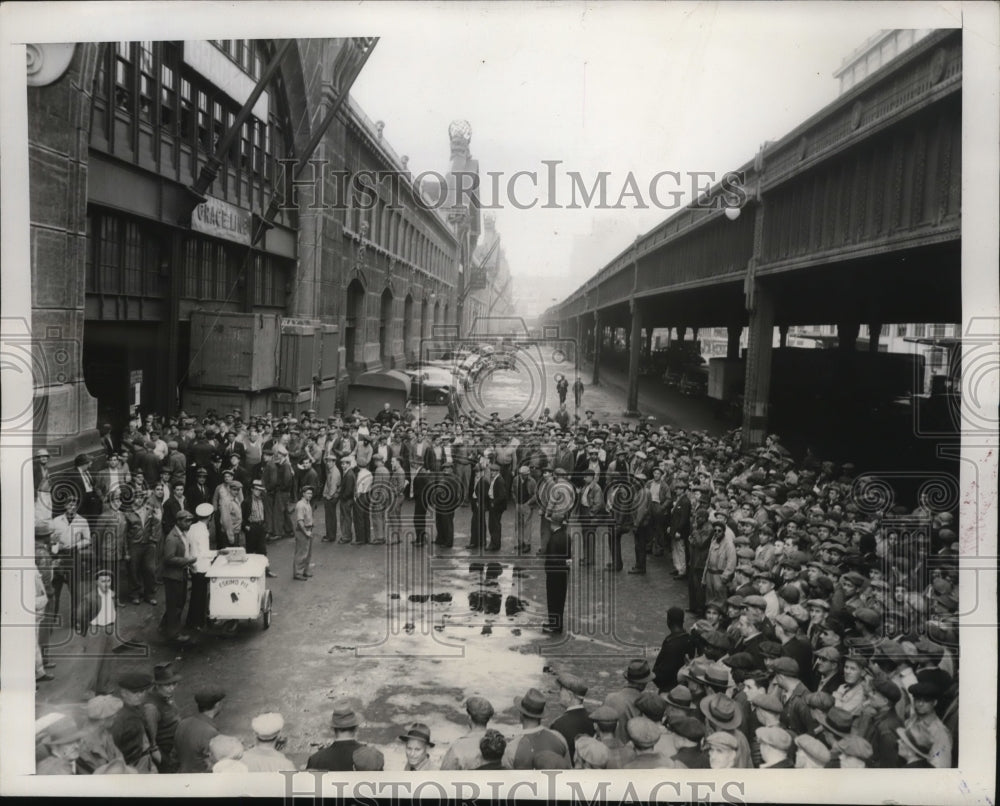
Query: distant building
(150, 257)
(496, 299)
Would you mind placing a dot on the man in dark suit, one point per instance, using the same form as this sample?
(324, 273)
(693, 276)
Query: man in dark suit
(446, 496)
(680, 529)
(338, 756)
(173, 505)
(348, 481)
(496, 504)
(231, 446)
(556, 573)
(85, 489)
(479, 489)
(198, 492)
(147, 463)
(677, 649)
(574, 721)
(255, 519)
(107, 441)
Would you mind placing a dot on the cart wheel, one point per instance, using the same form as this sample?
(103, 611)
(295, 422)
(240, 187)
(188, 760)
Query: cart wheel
(267, 610)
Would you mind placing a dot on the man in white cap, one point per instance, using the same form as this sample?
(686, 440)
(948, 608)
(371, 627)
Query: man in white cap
(199, 545)
(265, 756)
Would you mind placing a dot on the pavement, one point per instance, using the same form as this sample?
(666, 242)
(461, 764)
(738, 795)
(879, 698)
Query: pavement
(391, 627)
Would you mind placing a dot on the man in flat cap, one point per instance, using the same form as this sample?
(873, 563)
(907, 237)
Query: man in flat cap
(688, 734)
(850, 695)
(879, 722)
(854, 751)
(264, 756)
(98, 746)
(605, 720)
(812, 753)
(367, 759)
(195, 732)
(464, 753)
(338, 755)
(723, 747)
(775, 745)
(130, 730)
(574, 720)
(590, 754)
(644, 734)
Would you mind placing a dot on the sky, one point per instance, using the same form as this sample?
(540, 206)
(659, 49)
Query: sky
(622, 88)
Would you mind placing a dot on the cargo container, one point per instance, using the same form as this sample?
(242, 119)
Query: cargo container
(234, 350)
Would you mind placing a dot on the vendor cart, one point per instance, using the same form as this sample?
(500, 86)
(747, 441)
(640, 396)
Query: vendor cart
(237, 588)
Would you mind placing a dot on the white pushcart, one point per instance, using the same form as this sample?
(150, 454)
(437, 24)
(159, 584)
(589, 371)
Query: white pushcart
(237, 588)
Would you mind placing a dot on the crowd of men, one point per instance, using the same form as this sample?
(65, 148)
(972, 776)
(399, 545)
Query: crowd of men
(824, 619)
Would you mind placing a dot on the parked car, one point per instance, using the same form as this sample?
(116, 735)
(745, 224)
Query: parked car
(430, 384)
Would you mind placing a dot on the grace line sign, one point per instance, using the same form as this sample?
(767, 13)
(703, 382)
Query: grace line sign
(222, 220)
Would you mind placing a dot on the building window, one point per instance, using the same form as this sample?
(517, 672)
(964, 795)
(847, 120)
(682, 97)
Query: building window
(147, 81)
(269, 281)
(192, 280)
(187, 112)
(108, 257)
(204, 122)
(900, 330)
(168, 93)
(125, 257)
(123, 75)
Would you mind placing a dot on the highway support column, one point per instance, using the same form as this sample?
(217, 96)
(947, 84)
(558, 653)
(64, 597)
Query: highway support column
(760, 304)
(635, 345)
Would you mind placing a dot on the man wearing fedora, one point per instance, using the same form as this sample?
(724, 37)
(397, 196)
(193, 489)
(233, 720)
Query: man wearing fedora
(62, 740)
(533, 738)
(637, 674)
(338, 755)
(161, 712)
(417, 742)
(722, 714)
